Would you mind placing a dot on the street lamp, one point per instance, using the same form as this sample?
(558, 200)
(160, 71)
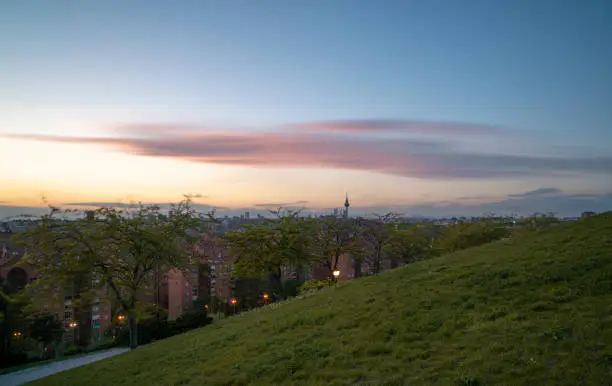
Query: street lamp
(265, 298)
(234, 302)
(336, 274)
(16, 334)
(73, 325)
(121, 318)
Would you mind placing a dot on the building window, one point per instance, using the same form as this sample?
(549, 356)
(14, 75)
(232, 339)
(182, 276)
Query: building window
(194, 292)
(67, 315)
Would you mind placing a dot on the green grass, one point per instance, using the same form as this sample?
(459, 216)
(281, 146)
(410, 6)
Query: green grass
(533, 310)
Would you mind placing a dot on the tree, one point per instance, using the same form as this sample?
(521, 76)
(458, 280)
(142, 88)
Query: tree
(266, 249)
(408, 244)
(333, 238)
(12, 318)
(46, 329)
(375, 234)
(110, 251)
(463, 235)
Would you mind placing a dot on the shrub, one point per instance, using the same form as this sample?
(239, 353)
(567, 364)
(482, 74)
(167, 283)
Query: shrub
(72, 350)
(190, 320)
(315, 285)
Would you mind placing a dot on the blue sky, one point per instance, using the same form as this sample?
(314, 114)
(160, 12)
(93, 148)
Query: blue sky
(538, 70)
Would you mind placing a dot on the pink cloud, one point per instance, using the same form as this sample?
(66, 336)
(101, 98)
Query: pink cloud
(403, 157)
(382, 125)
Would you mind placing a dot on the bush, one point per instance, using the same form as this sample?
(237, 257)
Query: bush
(150, 330)
(315, 285)
(72, 350)
(107, 345)
(190, 320)
(13, 359)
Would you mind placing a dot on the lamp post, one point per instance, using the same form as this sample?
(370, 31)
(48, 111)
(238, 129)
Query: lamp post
(73, 325)
(336, 274)
(265, 298)
(234, 302)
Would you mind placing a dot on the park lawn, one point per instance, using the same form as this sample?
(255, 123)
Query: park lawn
(536, 309)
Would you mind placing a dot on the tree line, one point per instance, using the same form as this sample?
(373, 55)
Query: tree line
(120, 253)
(290, 241)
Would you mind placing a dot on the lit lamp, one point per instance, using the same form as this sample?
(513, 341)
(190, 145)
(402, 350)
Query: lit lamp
(120, 318)
(73, 325)
(336, 274)
(234, 302)
(265, 298)
(16, 334)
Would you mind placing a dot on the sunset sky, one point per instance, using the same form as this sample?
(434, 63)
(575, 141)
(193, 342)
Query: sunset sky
(425, 106)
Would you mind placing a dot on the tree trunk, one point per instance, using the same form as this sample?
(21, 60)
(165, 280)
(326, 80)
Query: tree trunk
(299, 274)
(357, 268)
(133, 331)
(394, 263)
(376, 263)
(276, 277)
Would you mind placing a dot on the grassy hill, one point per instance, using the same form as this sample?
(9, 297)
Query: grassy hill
(533, 310)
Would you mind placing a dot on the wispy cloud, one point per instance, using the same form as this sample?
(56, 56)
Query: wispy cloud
(388, 125)
(559, 203)
(538, 192)
(420, 158)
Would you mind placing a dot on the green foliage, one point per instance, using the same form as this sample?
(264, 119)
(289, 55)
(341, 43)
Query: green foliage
(72, 350)
(153, 329)
(332, 238)
(409, 244)
(46, 328)
(192, 319)
(263, 250)
(375, 236)
(316, 285)
(463, 235)
(108, 248)
(13, 320)
(249, 291)
(534, 310)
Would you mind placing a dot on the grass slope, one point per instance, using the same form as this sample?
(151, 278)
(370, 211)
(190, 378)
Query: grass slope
(534, 310)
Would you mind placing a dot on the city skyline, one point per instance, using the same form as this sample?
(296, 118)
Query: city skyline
(412, 106)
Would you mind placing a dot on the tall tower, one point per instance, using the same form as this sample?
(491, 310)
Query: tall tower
(346, 206)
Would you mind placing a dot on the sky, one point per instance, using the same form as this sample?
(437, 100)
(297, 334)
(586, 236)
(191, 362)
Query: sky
(428, 107)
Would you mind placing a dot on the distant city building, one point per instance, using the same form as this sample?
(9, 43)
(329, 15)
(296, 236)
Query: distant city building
(346, 207)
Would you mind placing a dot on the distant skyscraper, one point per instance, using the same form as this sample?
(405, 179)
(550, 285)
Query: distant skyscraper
(346, 206)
